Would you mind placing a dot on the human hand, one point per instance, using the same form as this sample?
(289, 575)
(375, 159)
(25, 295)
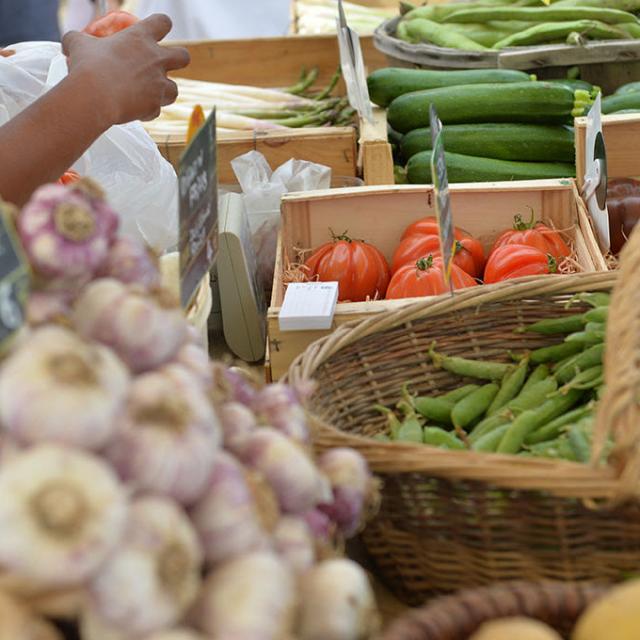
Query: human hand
(127, 72)
(6, 53)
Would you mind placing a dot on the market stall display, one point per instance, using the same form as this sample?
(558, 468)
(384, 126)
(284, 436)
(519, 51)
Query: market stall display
(319, 16)
(141, 476)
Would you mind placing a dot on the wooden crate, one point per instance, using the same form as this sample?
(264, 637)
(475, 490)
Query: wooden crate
(380, 214)
(375, 157)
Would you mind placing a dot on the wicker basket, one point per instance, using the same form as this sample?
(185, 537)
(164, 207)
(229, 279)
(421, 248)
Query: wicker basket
(456, 617)
(451, 520)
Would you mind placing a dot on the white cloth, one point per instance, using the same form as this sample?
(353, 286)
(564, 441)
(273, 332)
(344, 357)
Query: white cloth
(221, 19)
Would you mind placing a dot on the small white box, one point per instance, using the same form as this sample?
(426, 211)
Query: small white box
(308, 306)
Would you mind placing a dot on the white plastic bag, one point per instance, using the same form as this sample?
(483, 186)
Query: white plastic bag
(140, 184)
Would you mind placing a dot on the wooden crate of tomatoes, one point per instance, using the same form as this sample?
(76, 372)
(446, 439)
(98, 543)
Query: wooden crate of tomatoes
(381, 245)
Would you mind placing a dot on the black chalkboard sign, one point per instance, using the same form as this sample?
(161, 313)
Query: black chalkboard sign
(198, 188)
(14, 280)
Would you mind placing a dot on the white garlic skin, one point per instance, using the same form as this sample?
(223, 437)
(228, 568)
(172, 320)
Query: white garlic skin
(337, 603)
(153, 576)
(195, 358)
(19, 623)
(293, 541)
(58, 388)
(252, 597)
(167, 437)
(144, 331)
(62, 511)
(280, 408)
(226, 517)
(238, 423)
(175, 634)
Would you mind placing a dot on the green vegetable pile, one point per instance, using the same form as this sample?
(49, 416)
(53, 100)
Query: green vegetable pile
(542, 405)
(626, 99)
(495, 25)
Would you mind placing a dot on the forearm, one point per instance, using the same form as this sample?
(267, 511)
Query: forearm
(44, 140)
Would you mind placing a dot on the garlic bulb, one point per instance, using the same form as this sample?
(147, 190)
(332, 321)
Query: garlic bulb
(321, 526)
(58, 388)
(238, 423)
(151, 579)
(250, 597)
(47, 306)
(230, 517)
(66, 231)
(289, 470)
(167, 436)
(18, 623)
(337, 603)
(175, 634)
(294, 542)
(131, 262)
(93, 627)
(196, 359)
(61, 512)
(145, 331)
(279, 407)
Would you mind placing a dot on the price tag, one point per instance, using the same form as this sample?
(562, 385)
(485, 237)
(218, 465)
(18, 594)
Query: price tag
(308, 306)
(594, 188)
(14, 280)
(353, 69)
(442, 199)
(198, 189)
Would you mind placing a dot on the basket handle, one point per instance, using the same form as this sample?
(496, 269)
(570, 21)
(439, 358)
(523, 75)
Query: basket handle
(618, 413)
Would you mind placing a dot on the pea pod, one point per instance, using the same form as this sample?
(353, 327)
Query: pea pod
(489, 442)
(474, 405)
(541, 14)
(460, 392)
(512, 383)
(585, 360)
(553, 429)
(599, 314)
(585, 337)
(382, 437)
(483, 370)
(587, 379)
(579, 443)
(410, 431)
(550, 326)
(594, 298)
(392, 420)
(555, 352)
(537, 375)
(428, 31)
(434, 408)
(437, 437)
(530, 420)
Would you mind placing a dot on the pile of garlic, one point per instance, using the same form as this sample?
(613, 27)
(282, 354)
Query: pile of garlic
(162, 495)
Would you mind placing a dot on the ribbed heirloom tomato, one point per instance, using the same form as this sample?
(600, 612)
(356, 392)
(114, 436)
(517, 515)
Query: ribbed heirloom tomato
(534, 234)
(425, 277)
(359, 268)
(422, 239)
(516, 261)
(110, 23)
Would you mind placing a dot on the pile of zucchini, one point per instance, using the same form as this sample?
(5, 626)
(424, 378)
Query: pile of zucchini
(626, 99)
(499, 124)
(543, 405)
(494, 24)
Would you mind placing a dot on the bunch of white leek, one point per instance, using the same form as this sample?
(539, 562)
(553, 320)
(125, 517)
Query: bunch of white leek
(319, 16)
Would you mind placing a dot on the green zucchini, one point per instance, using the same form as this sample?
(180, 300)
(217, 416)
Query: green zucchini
(533, 102)
(387, 84)
(461, 168)
(622, 101)
(504, 141)
(630, 87)
(575, 85)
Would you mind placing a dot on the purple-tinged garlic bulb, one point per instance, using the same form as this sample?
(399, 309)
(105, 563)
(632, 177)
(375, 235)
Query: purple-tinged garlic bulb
(354, 488)
(196, 359)
(238, 423)
(167, 437)
(231, 518)
(278, 406)
(66, 232)
(232, 386)
(288, 468)
(321, 526)
(250, 597)
(62, 512)
(131, 262)
(145, 331)
(294, 542)
(150, 580)
(58, 388)
(44, 307)
(175, 634)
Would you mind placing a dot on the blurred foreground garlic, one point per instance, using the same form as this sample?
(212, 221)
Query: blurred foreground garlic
(58, 388)
(176, 634)
(18, 623)
(61, 513)
(131, 262)
(167, 437)
(151, 579)
(250, 597)
(146, 331)
(294, 542)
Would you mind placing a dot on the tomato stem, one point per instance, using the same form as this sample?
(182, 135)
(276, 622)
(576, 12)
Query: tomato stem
(425, 264)
(520, 225)
(343, 236)
(553, 263)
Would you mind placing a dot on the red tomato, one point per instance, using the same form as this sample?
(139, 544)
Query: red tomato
(425, 277)
(517, 260)
(469, 255)
(69, 177)
(110, 23)
(534, 234)
(359, 268)
(429, 227)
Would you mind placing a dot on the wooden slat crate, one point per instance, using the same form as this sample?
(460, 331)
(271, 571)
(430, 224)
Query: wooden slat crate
(380, 214)
(375, 158)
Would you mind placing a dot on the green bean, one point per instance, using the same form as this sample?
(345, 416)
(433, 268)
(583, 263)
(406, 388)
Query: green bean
(552, 429)
(595, 326)
(550, 449)
(528, 421)
(582, 338)
(549, 31)
(440, 35)
(538, 374)
(460, 392)
(621, 5)
(511, 385)
(579, 443)
(474, 405)
(489, 442)
(599, 314)
(555, 353)
(587, 379)
(435, 409)
(410, 431)
(437, 437)
(550, 326)
(470, 368)
(541, 14)
(595, 298)
(585, 360)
